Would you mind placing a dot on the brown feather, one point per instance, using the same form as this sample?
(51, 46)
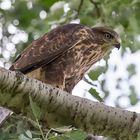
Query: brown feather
(63, 55)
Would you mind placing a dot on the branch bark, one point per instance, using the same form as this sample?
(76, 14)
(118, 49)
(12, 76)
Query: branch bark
(60, 108)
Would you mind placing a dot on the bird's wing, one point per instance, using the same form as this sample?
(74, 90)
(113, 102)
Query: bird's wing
(47, 48)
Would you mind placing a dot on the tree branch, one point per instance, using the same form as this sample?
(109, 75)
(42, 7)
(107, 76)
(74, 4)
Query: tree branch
(61, 108)
(96, 5)
(80, 6)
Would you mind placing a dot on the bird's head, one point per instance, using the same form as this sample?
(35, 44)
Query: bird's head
(107, 37)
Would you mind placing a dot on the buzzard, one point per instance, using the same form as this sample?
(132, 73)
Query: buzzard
(63, 55)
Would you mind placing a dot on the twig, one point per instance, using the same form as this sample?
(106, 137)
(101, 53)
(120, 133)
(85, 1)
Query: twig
(96, 4)
(80, 5)
(89, 82)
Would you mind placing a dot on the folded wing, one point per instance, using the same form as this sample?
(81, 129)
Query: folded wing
(47, 48)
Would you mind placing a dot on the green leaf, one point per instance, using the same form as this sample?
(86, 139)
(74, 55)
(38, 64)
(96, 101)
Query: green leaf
(96, 95)
(133, 96)
(138, 137)
(77, 135)
(73, 135)
(35, 108)
(23, 137)
(94, 74)
(28, 133)
(131, 68)
(48, 3)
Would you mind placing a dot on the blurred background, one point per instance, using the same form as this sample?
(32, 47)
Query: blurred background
(115, 80)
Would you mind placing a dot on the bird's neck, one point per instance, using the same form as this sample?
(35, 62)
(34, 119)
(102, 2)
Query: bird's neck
(86, 61)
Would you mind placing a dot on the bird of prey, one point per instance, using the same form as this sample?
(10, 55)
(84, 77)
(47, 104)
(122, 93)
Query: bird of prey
(63, 55)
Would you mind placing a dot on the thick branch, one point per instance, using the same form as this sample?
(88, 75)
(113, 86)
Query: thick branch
(62, 108)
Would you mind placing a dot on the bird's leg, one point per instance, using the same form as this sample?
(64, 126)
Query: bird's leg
(69, 83)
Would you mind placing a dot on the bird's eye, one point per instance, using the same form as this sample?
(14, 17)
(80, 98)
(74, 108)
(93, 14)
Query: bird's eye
(108, 36)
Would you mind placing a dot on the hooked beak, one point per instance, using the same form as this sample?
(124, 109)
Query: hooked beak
(118, 44)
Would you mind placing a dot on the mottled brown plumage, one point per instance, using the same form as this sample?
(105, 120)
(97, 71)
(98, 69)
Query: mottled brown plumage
(63, 55)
